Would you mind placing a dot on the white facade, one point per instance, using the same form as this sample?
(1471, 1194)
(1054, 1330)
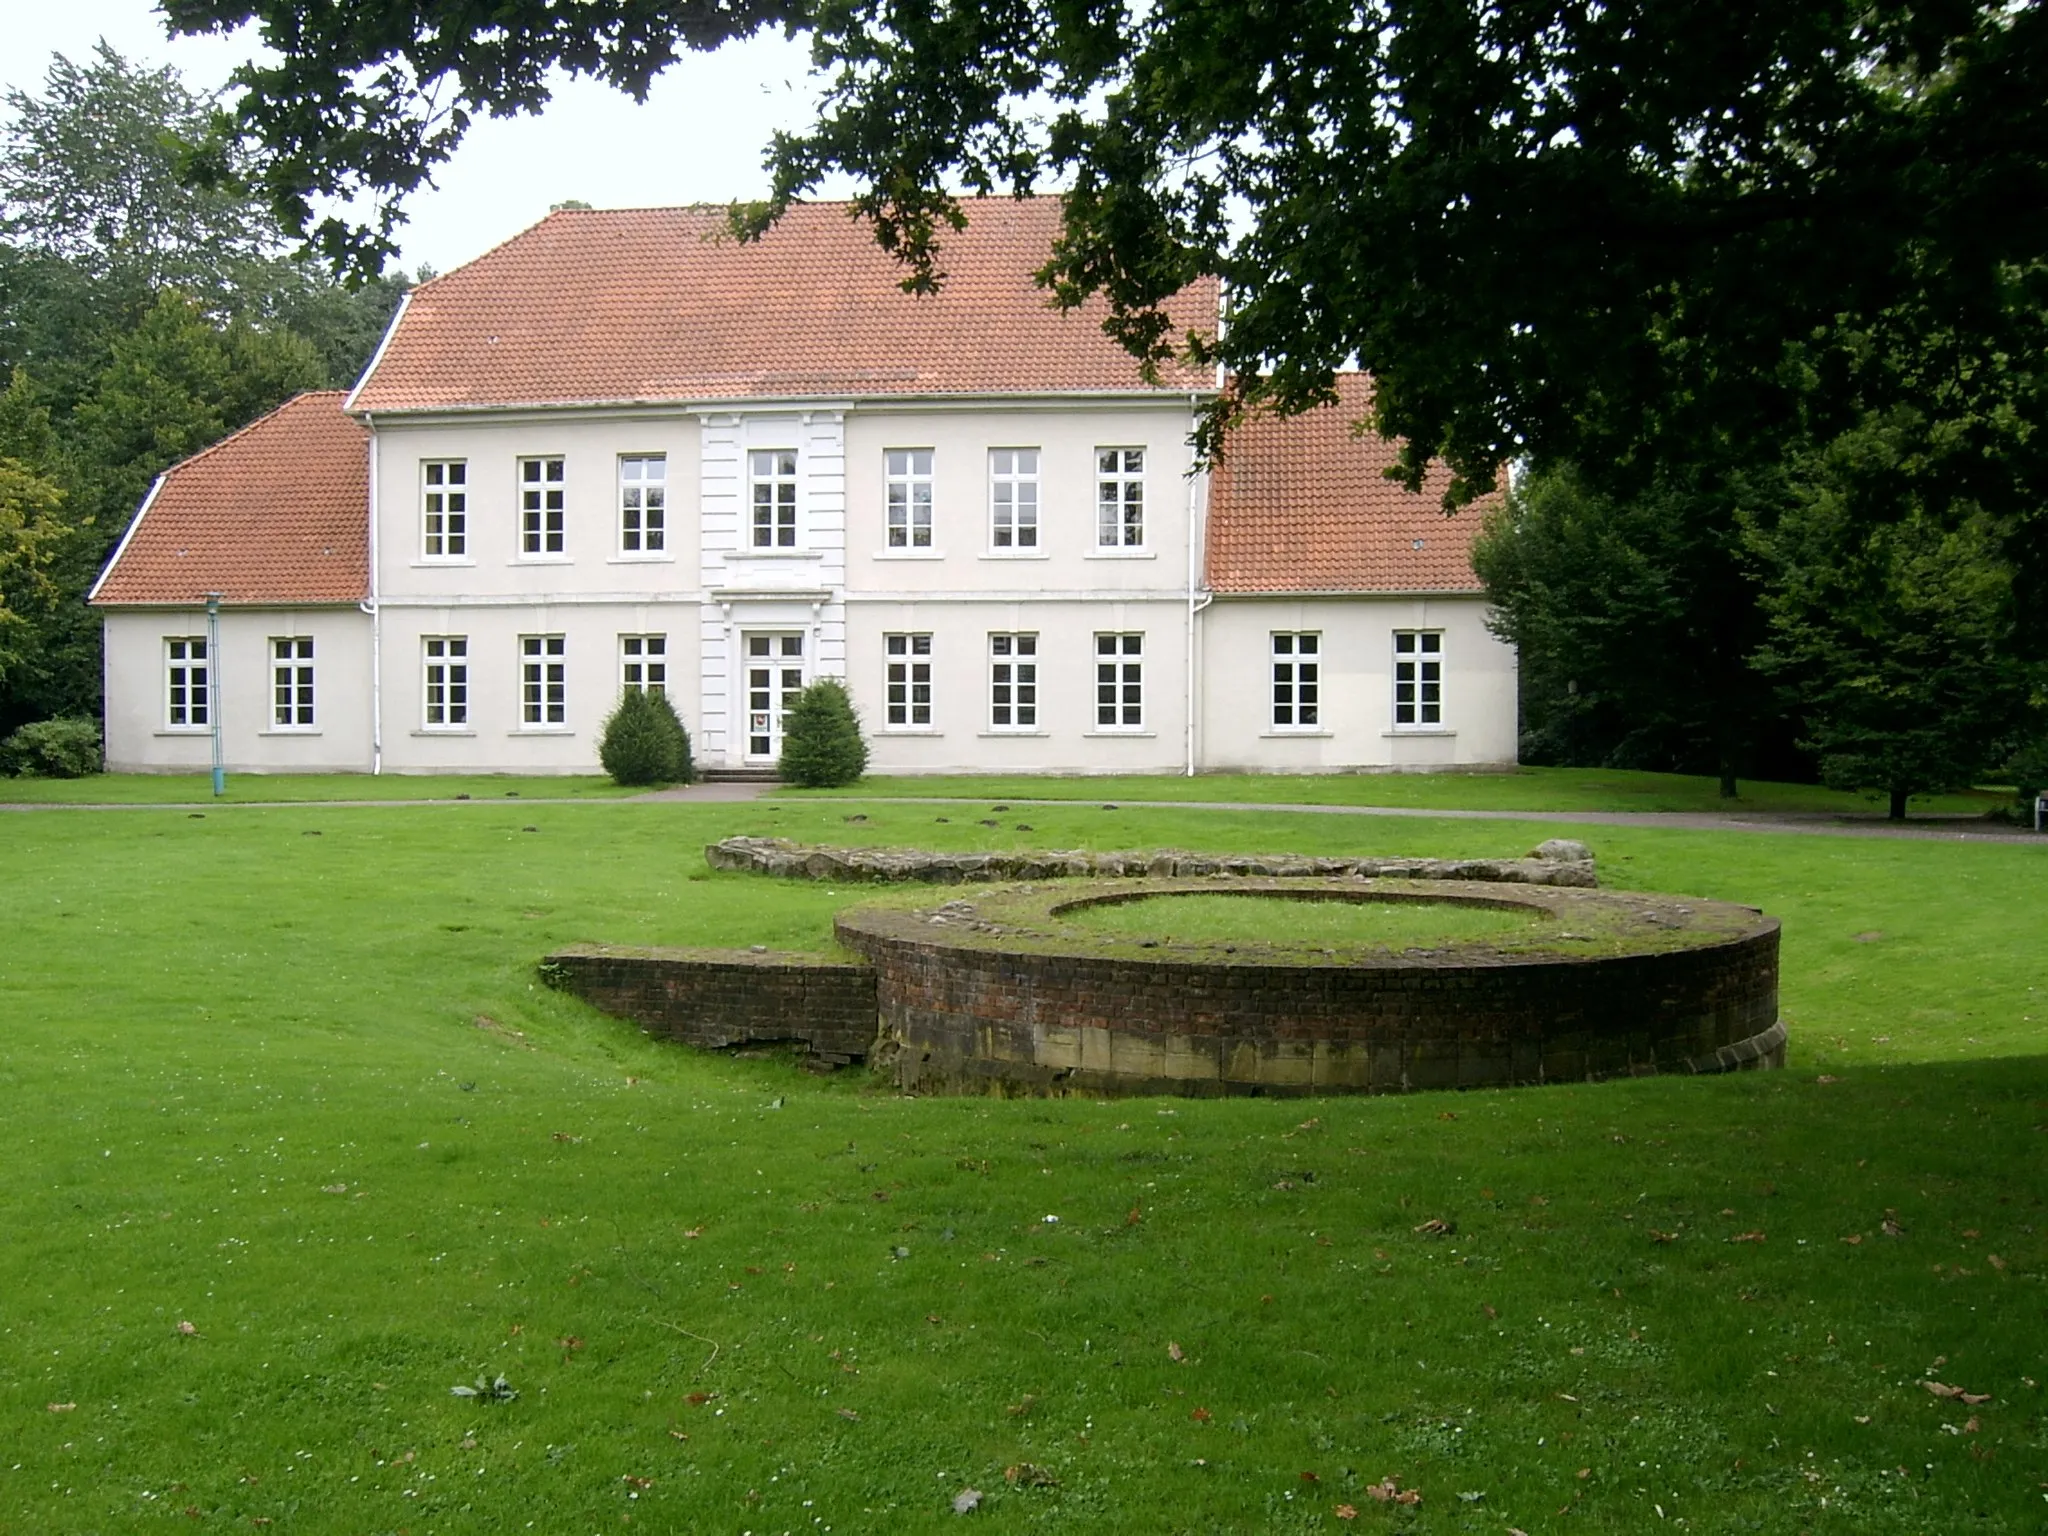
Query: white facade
(1004, 623)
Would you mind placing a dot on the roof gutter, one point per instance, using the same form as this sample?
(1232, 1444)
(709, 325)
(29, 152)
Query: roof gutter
(121, 549)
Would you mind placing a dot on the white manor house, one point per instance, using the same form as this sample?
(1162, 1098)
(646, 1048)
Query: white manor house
(623, 450)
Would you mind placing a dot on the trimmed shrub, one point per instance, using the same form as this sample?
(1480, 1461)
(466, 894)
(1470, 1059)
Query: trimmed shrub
(53, 749)
(821, 741)
(644, 742)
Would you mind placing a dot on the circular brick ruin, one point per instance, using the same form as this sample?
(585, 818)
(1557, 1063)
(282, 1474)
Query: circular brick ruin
(1001, 994)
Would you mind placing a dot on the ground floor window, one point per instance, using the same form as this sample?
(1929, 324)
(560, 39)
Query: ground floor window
(543, 680)
(1119, 681)
(643, 663)
(188, 678)
(1418, 677)
(291, 676)
(1297, 664)
(908, 679)
(1013, 682)
(447, 681)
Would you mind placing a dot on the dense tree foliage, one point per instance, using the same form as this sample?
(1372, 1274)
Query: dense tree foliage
(142, 318)
(1637, 620)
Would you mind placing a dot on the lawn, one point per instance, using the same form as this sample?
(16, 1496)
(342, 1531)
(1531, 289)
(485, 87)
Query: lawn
(1520, 789)
(270, 788)
(298, 1145)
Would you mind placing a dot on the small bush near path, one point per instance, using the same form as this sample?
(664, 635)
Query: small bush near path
(644, 742)
(53, 749)
(821, 741)
(291, 1160)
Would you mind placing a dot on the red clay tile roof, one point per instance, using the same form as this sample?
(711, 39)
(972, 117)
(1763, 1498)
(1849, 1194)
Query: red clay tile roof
(659, 304)
(1300, 504)
(277, 513)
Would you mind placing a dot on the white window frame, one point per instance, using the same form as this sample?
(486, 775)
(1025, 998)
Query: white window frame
(543, 507)
(444, 683)
(1014, 501)
(1287, 649)
(543, 682)
(643, 506)
(1119, 498)
(1120, 681)
(183, 656)
(1418, 680)
(292, 701)
(908, 497)
(774, 512)
(444, 510)
(907, 673)
(1013, 681)
(643, 663)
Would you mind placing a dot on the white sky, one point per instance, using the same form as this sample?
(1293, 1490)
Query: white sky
(699, 138)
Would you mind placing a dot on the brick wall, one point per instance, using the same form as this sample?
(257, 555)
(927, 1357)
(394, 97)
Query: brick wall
(965, 1017)
(724, 997)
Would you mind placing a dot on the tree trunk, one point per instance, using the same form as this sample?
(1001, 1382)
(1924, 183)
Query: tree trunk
(1727, 781)
(1898, 812)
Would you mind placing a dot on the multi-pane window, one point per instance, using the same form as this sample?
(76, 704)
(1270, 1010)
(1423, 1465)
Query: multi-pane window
(1013, 682)
(540, 506)
(1418, 677)
(1119, 498)
(543, 686)
(1296, 690)
(1119, 681)
(291, 680)
(1013, 498)
(910, 498)
(643, 504)
(908, 681)
(447, 681)
(643, 662)
(444, 509)
(775, 676)
(771, 474)
(189, 679)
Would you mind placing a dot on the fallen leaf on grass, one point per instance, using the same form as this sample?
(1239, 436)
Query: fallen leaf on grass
(966, 1501)
(62, 1407)
(1025, 1475)
(1854, 1239)
(1662, 1237)
(1891, 1226)
(1826, 1078)
(188, 1330)
(693, 1232)
(637, 1482)
(677, 1434)
(1388, 1491)
(1201, 1416)
(848, 1414)
(1436, 1226)
(1747, 1237)
(1133, 1216)
(1174, 1352)
(333, 1189)
(1347, 1512)
(699, 1399)
(1022, 1406)
(1942, 1389)
(1584, 1473)
(1995, 1262)
(1862, 1418)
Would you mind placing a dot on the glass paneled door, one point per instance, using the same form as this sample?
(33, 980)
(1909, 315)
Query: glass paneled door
(775, 675)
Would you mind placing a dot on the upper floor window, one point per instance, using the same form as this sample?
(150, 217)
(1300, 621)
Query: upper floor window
(188, 680)
(1119, 498)
(540, 506)
(1418, 678)
(291, 669)
(910, 498)
(1013, 498)
(643, 662)
(643, 504)
(772, 475)
(1297, 680)
(444, 509)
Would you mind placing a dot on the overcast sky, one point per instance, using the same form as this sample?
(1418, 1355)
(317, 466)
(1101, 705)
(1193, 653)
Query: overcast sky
(699, 138)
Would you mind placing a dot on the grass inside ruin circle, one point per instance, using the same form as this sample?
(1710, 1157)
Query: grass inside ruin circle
(1250, 919)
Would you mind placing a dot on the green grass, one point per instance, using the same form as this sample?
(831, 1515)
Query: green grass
(1522, 789)
(304, 1094)
(1249, 920)
(271, 788)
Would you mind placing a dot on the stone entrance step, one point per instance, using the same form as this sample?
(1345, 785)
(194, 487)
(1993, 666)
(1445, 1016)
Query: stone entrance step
(738, 776)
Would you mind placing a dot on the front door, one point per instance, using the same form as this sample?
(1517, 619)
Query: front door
(775, 674)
